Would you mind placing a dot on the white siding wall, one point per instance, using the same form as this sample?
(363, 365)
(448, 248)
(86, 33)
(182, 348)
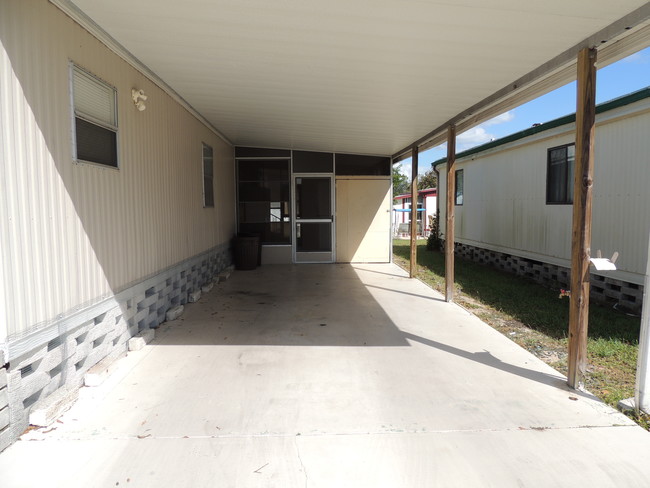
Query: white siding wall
(505, 195)
(73, 233)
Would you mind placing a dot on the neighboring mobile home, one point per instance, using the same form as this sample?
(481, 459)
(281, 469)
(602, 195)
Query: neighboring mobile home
(513, 199)
(426, 208)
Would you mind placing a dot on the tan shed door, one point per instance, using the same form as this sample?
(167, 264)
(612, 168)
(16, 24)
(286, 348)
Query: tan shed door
(363, 220)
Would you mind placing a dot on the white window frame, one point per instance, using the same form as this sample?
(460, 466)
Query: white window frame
(203, 160)
(73, 67)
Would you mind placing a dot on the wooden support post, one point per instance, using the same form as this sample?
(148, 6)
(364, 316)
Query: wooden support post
(449, 227)
(414, 211)
(581, 236)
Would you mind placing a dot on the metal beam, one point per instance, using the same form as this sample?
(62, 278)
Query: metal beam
(582, 197)
(414, 212)
(449, 227)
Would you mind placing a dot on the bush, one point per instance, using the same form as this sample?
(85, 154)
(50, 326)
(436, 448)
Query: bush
(434, 242)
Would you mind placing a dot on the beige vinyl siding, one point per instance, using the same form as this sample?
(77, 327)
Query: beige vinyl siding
(74, 233)
(505, 195)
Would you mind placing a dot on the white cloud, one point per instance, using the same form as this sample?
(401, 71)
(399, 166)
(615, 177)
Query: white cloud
(473, 137)
(479, 135)
(500, 119)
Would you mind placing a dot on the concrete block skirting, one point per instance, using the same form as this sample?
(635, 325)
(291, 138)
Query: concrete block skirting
(604, 290)
(56, 358)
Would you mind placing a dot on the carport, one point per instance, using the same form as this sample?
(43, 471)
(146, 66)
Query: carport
(95, 252)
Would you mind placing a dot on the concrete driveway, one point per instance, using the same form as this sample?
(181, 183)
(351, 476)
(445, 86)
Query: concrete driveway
(331, 376)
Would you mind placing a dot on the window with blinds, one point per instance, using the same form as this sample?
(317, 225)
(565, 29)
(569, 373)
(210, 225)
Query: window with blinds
(95, 113)
(208, 177)
(559, 175)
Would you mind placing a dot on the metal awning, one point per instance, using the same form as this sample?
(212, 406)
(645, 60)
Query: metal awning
(370, 77)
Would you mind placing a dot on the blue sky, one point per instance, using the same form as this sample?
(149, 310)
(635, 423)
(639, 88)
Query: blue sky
(617, 79)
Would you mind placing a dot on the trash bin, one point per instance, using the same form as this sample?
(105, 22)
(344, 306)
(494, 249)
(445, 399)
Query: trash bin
(247, 251)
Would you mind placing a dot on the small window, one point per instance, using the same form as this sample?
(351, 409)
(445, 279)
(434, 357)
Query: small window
(559, 175)
(208, 177)
(459, 187)
(95, 117)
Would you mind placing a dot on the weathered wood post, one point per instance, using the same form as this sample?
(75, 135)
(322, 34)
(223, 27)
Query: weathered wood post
(414, 211)
(449, 227)
(581, 236)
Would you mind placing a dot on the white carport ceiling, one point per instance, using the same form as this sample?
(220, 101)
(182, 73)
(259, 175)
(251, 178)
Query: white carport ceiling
(344, 75)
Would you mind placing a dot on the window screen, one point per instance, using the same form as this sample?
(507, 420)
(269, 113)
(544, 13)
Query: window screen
(312, 162)
(264, 196)
(355, 165)
(95, 115)
(208, 177)
(559, 175)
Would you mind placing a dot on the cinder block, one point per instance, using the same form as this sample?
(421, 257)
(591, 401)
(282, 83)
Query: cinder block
(4, 397)
(174, 313)
(29, 358)
(142, 339)
(46, 411)
(207, 288)
(194, 296)
(148, 301)
(96, 375)
(141, 315)
(224, 275)
(4, 417)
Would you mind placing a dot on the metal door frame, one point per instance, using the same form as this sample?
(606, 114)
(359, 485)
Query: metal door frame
(316, 256)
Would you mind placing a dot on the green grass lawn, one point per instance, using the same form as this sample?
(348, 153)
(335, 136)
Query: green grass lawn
(535, 317)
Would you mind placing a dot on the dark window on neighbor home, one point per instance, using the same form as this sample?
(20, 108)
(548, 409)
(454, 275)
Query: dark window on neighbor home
(559, 175)
(95, 113)
(460, 187)
(208, 177)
